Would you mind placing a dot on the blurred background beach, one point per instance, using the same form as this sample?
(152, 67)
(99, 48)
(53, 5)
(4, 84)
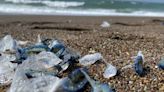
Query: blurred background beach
(84, 7)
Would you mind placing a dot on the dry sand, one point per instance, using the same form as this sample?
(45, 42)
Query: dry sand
(118, 43)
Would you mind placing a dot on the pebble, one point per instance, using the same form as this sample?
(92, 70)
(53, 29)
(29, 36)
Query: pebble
(145, 81)
(161, 88)
(145, 88)
(130, 82)
(156, 66)
(92, 51)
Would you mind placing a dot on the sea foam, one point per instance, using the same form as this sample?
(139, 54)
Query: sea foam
(59, 4)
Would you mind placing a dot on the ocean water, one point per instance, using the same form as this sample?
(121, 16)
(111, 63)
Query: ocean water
(84, 7)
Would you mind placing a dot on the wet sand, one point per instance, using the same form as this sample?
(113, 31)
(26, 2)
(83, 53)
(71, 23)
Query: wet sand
(118, 43)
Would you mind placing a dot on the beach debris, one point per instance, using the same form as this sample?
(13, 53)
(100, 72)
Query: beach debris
(44, 83)
(8, 44)
(38, 66)
(110, 71)
(48, 83)
(49, 59)
(36, 49)
(34, 70)
(105, 24)
(90, 59)
(24, 53)
(41, 64)
(8, 54)
(161, 64)
(6, 72)
(63, 52)
(7, 57)
(96, 85)
(7, 68)
(57, 47)
(138, 63)
(74, 82)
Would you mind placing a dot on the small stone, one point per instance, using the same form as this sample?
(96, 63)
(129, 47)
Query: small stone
(145, 81)
(156, 66)
(161, 88)
(127, 53)
(130, 82)
(92, 51)
(145, 88)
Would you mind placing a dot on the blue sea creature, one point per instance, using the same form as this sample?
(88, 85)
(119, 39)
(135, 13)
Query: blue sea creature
(57, 47)
(8, 44)
(63, 52)
(138, 64)
(36, 49)
(30, 73)
(74, 82)
(32, 50)
(161, 64)
(90, 59)
(96, 85)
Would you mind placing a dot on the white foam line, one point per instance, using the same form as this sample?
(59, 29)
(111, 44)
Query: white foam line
(62, 4)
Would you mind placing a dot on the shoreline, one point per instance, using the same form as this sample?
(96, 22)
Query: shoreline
(7, 17)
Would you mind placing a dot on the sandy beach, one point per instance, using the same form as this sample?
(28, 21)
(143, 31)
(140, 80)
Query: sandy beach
(118, 43)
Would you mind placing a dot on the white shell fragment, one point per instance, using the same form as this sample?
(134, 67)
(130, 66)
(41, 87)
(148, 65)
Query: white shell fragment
(110, 71)
(90, 59)
(105, 24)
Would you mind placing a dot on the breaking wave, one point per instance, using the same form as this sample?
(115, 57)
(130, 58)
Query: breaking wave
(59, 4)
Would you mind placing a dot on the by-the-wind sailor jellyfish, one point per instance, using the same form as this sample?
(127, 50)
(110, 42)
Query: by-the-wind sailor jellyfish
(110, 71)
(90, 59)
(161, 64)
(74, 82)
(96, 85)
(8, 43)
(138, 63)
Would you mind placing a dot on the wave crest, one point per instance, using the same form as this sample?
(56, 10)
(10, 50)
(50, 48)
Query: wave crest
(58, 4)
